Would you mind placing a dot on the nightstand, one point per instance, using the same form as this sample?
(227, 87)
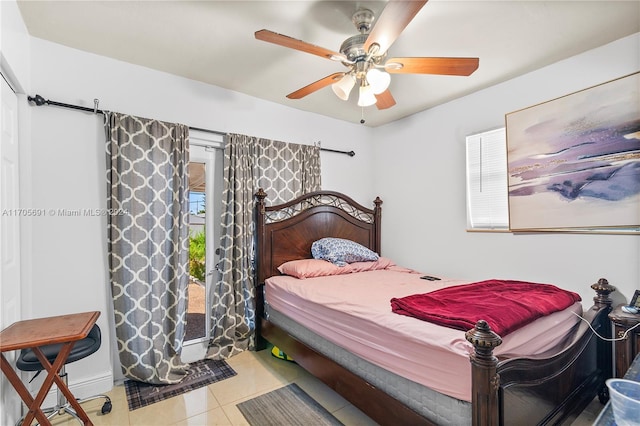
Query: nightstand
(627, 349)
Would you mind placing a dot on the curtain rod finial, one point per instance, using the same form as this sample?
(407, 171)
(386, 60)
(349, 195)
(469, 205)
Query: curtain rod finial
(38, 100)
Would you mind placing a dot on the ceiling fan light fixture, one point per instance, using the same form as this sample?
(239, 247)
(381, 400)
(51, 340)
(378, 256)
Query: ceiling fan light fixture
(343, 87)
(379, 80)
(367, 97)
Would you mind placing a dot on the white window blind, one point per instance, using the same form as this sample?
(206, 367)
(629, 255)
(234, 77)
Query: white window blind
(487, 200)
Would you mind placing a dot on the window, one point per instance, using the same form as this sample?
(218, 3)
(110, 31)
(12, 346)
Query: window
(487, 200)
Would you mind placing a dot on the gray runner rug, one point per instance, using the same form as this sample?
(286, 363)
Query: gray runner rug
(287, 406)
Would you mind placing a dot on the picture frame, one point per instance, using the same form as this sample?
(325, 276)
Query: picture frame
(574, 162)
(635, 300)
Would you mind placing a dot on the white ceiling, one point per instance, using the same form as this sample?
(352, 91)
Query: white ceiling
(213, 42)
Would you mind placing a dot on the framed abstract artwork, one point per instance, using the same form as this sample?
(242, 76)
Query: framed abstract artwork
(574, 162)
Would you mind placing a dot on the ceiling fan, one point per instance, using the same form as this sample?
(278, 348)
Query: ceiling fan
(365, 55)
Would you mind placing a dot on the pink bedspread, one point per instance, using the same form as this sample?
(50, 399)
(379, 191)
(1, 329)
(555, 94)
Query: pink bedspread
(353, 312)
(505, 305)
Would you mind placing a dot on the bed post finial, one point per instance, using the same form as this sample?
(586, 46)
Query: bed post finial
(485, 380)
(261, 195)
(603, 289)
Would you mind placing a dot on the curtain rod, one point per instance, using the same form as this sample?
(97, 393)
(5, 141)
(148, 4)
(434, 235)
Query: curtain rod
(39, 101)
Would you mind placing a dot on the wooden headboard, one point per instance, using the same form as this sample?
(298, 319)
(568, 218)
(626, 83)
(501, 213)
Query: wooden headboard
(285, 232)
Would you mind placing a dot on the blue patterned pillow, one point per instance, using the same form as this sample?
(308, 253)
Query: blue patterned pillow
(340, 251)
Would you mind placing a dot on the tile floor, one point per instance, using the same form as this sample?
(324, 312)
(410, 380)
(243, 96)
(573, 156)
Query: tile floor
(258, 373)
(590, 414)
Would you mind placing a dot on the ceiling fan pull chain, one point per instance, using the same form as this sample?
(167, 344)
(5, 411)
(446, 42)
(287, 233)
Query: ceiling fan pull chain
(362, 115)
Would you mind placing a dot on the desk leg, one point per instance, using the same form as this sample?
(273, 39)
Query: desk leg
(17, 384)
(53, 373)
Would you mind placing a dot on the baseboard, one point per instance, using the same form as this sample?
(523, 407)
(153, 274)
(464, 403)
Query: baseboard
(88, 387)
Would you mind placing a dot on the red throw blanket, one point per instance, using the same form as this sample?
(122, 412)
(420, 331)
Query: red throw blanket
(504, 305)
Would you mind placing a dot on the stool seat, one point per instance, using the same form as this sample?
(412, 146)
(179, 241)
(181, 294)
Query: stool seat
(28, 361)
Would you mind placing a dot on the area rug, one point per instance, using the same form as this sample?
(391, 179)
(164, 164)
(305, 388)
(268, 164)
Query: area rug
(289, 406)
(201, 373)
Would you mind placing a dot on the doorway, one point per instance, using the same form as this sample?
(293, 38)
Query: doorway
(196, 324)
(11, 213)
(205, 206)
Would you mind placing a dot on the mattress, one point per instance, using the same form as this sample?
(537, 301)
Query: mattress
(353, 312)
(440, 409)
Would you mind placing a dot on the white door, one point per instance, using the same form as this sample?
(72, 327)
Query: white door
(206, 206)
(9, 237)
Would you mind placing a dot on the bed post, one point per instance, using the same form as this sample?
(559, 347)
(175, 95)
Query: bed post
(485, 380)
(259, 218)
(377, 215)
(259, 276)
(602, 307)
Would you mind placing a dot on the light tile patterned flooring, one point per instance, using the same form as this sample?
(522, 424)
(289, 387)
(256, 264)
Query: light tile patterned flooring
(258, 373)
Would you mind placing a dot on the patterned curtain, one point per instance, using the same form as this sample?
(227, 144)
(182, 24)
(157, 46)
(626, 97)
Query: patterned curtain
(148, 234)
(284, 171)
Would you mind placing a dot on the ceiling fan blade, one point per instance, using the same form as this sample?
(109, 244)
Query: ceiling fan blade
(385, 100)
(392, 21)
(315, 86)
(286, 41)
(442, 66)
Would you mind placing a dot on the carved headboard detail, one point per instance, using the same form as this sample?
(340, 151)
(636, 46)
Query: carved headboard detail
(285, 232)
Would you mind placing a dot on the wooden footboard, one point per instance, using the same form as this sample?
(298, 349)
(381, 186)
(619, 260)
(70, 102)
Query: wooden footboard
(549, 389)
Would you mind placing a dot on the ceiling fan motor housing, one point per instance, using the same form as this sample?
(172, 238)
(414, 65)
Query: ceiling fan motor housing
(353, 49)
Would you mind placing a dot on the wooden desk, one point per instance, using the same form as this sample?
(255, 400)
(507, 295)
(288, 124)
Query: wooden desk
(65, 329)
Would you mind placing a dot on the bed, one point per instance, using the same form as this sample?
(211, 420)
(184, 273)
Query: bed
(496, 380)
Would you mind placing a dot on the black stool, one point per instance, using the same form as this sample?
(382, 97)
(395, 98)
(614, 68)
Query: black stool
(28, 361)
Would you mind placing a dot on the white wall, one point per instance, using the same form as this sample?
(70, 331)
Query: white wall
(67, 163)
(422, 184)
